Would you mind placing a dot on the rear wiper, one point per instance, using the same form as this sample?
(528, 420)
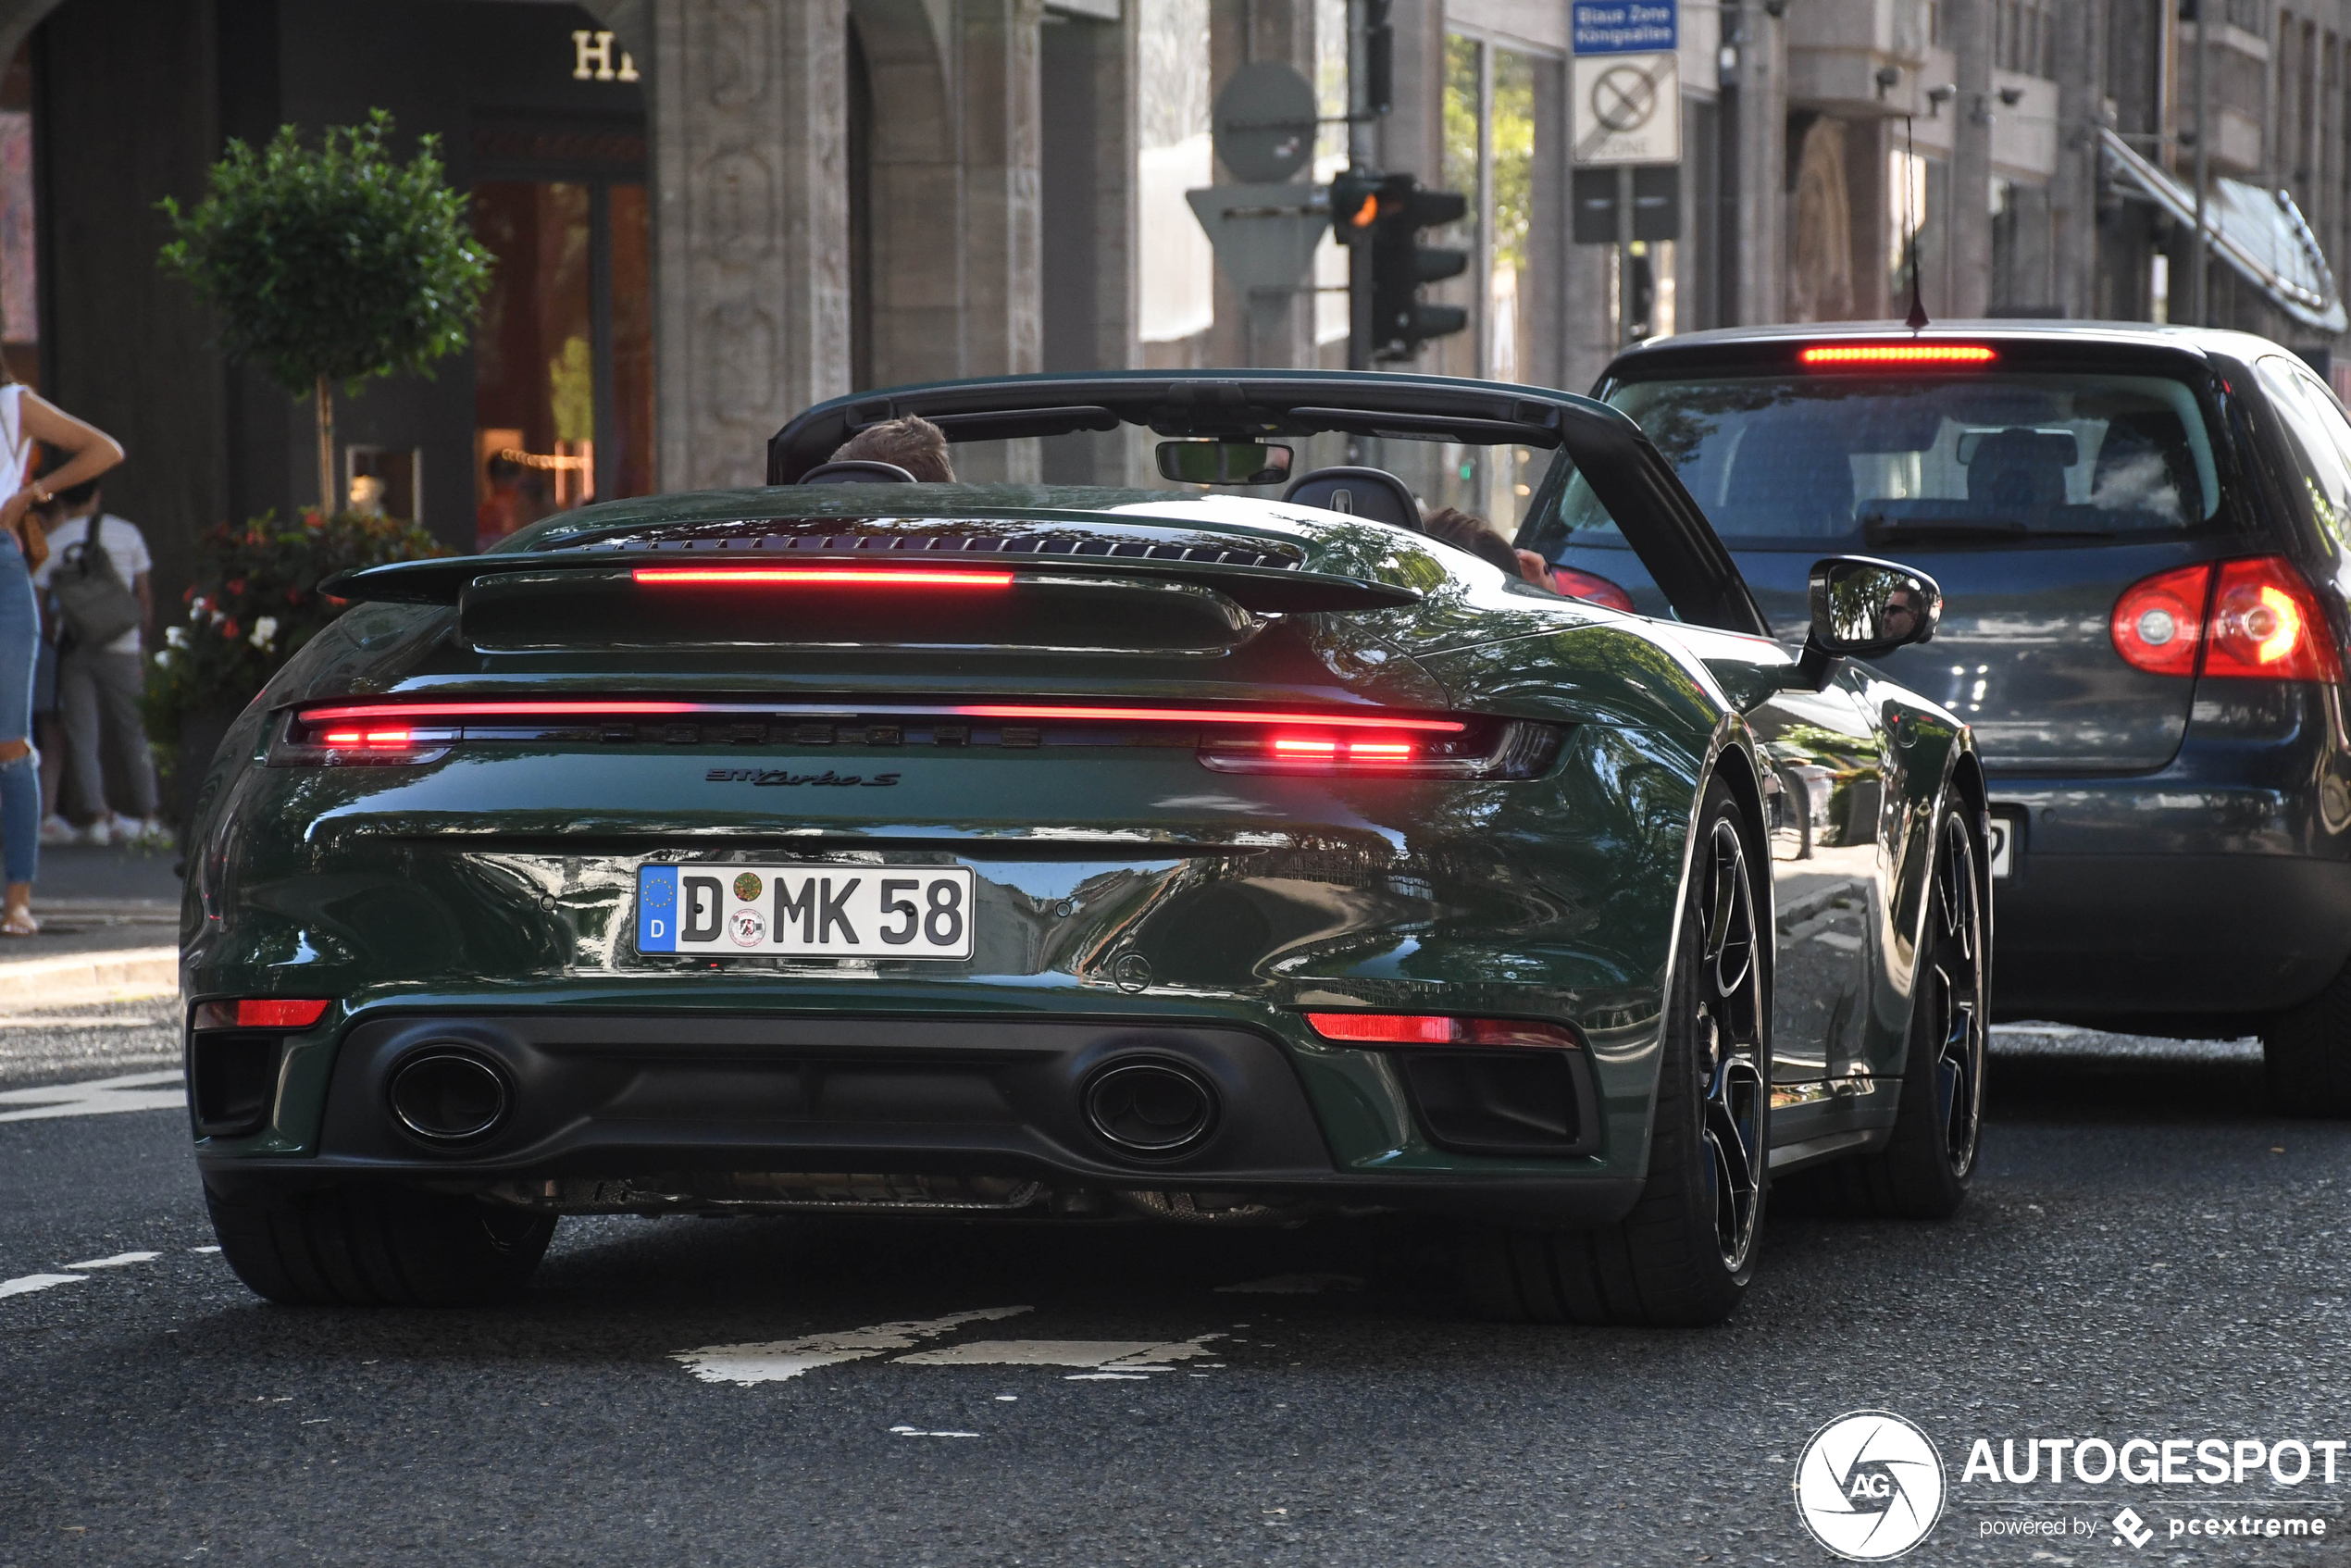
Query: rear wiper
(1893, 527)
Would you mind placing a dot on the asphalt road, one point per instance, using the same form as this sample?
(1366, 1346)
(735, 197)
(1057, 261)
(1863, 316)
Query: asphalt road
(2147, 1253)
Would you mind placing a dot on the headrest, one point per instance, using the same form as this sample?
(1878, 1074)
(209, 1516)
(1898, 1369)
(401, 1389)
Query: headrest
(1365, 493)
(856, 470)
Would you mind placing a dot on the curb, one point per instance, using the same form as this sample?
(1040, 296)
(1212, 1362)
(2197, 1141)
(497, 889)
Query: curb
(82, 978)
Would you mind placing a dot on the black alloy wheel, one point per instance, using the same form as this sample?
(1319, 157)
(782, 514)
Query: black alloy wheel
(1730, 1044)
(1955, 996)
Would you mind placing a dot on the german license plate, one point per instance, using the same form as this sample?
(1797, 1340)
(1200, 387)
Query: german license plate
(805, 911)
(2002, 833)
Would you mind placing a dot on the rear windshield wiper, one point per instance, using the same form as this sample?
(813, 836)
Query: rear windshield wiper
(1889, 528)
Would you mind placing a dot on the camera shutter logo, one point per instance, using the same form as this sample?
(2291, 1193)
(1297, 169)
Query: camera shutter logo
(1869, 1485)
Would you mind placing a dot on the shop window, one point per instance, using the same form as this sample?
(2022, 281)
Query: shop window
(1493, 97)
(563, 359)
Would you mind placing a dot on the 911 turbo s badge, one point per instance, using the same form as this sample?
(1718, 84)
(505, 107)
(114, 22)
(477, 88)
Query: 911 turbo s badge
(785, 776)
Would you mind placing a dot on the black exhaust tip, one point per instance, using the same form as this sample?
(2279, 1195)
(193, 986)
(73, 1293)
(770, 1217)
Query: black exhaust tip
(1154, 1109)
(447, 1096)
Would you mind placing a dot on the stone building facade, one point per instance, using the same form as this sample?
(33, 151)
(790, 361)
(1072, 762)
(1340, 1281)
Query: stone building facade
(716, 212)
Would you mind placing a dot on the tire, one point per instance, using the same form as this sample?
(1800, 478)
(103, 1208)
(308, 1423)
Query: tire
(1684, 1254)
(1924, 1170)
(2306, 1054)
(383, 1248)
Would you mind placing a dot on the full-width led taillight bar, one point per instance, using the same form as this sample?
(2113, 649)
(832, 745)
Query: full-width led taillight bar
(1437, 1028)
(1234, 739)
(1851, 356)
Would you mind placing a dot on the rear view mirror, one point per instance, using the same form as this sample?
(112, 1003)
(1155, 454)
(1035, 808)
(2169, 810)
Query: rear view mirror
(1862, 607)
(1222, 462)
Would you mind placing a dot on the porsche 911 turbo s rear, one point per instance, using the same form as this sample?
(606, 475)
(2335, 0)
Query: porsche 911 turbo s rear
(755, 877)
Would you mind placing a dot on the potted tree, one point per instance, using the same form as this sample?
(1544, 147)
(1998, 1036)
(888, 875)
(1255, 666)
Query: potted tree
(332, 264)
(322, 265)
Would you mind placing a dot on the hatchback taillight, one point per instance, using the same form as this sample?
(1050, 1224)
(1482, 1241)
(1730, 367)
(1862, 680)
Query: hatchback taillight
(1572, 584)
(2158, 623)
(2266, 622)
(2253, 619)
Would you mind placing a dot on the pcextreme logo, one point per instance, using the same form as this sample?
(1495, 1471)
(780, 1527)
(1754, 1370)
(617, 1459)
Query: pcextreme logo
(1869, 1485)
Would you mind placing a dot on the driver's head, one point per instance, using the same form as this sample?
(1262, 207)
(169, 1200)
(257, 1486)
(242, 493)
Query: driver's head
(913, 444)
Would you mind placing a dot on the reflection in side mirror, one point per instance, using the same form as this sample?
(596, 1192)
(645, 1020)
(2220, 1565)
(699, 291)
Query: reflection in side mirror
(1862, 607)
(1222, 462)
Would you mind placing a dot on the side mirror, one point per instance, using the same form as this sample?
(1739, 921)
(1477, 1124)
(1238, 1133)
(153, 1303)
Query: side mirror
(1222, 462)
(1863, 608)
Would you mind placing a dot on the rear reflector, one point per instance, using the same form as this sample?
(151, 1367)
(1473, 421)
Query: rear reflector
(260, 1013)
(1423, 1029)
(1897, 354)
(820, 577)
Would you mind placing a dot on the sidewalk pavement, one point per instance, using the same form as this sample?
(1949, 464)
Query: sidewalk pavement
(109, 929)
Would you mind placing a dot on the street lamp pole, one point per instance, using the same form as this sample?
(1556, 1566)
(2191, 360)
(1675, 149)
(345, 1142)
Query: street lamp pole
(2197, 280)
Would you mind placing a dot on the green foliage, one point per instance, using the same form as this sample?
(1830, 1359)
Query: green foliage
(256, 603)
(335, 262)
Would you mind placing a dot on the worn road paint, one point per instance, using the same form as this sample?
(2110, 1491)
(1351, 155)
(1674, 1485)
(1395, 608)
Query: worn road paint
(776, 1360)
(918, 1432)
(1292, 1285)
(203, 1248)
(1105, 1358)
(96, 1097)
(120, 1259)
(25, 1283)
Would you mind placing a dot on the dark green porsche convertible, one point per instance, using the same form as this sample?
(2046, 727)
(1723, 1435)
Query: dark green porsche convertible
(1069, 853)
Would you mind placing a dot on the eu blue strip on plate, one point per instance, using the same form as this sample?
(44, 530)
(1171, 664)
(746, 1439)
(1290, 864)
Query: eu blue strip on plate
(657, 909)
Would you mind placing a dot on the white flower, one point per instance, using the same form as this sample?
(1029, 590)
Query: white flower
(163, 656)
(264, 633)
(175, 635)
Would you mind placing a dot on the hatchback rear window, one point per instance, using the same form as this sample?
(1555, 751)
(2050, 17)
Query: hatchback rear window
(1835, 462)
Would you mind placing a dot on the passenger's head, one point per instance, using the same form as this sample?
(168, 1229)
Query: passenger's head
(913, 444)
(1457, 528)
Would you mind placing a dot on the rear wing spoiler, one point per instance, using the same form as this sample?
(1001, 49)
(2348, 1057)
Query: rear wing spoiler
(1260, 590)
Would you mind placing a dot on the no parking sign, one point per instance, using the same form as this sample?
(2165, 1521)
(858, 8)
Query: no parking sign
(1625, 85)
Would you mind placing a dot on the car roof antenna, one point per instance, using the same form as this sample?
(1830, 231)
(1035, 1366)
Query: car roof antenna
(1916, 320)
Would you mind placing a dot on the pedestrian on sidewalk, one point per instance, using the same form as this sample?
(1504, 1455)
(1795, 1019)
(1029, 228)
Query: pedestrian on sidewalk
(27, 420)
(98, 575)
(48, 726)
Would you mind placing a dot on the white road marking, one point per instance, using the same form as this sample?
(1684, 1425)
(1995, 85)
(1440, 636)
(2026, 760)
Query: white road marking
(36, 1021)
(119, 1260)
(203, 1248)
(1106, 1359)
(776, 1360)
(96, 1097)
(1292, 1285)
(24, 1285)
(918, 1432)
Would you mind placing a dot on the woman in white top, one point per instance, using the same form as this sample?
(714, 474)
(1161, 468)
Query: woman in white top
(27, 422)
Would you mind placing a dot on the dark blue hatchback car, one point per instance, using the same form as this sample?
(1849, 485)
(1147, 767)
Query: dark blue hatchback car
(2144, 539)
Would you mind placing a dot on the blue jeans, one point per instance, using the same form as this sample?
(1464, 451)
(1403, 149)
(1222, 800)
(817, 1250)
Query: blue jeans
(20, 653)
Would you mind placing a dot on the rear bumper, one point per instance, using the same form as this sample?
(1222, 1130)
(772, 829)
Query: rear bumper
(2154, 896)
(675, 1102)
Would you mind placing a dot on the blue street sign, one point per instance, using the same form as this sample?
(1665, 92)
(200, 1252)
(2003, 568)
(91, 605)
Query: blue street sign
(1625, 27)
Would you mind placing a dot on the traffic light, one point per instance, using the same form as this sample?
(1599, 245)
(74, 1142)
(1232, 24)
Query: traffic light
(1401, 264)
